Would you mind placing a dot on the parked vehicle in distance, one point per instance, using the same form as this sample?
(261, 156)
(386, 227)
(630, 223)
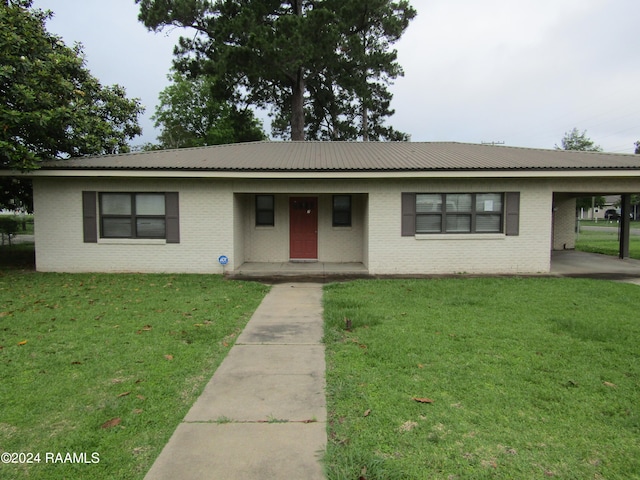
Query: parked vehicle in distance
(612, 214)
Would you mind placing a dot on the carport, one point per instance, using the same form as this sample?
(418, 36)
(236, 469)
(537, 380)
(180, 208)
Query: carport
(564, 219)
(571, 263)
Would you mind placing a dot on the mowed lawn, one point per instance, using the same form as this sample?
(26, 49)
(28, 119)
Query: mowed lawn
(483, 378)
(107, 364)
(607, 242)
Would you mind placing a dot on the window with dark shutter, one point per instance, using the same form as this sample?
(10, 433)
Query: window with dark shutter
(145, 215)
(408, 214)
(172, 217)
(512, 227)
(460, 213)
(89, 217)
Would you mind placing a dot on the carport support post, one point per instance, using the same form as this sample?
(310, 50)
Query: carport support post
(625, 229)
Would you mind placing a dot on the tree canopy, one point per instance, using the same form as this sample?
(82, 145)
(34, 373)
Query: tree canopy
(576, 140)
(319, 65)
(50, 104)
(190, 115)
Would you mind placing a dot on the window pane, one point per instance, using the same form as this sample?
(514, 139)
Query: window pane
(342, 202)
(489, 202)
(116, 204)
(264, 210)
(428, 223)
(341, 219)
(149, 204)
(488, 223)
(342, 210)
(116, 227)
(264, 202)
(459, 202)
(264, 217)
(458, 223)
(150, 227)
(426, 203)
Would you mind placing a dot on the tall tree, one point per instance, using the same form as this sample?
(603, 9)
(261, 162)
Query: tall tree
(190, 115)
(282, 55)
(576, 140)
(371, 27)
(50, 104)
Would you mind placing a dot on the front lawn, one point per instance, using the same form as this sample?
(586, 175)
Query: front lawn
(483, 378)
(107, 364)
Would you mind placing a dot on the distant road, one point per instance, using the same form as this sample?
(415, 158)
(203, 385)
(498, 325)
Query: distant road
(613, 228)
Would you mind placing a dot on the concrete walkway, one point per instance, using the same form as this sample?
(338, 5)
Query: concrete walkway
(263, 414)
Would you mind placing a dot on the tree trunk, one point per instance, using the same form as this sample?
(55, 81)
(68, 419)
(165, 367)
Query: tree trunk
(365, 122)
(297, 93)
(297, 108)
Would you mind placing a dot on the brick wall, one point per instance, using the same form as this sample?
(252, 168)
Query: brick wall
(217, 218)
(564, 222)
(390, 253)
(205, 234)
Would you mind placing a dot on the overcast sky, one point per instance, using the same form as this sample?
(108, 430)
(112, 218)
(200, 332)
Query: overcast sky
(522, 72)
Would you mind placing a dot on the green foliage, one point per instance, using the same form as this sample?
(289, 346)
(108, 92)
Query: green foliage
(366, 65)
(79, 352)
(328, 61)
(588, 202)
(575, 140)
(50, 104)
(190, 115)
(8, 225)
(514, 368)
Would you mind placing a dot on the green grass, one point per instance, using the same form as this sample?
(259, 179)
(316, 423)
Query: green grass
(606, 243)
(78, 351)
(529, 378)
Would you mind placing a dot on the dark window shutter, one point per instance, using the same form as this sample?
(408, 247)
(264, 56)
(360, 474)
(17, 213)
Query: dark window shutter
(408, 214)
(89, 217)
(513, 213)
(172, 213)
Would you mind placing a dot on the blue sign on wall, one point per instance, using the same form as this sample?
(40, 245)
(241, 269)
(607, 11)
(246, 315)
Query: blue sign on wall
(223, 259)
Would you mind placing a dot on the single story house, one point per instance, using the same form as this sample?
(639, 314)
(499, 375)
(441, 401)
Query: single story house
(395, 208)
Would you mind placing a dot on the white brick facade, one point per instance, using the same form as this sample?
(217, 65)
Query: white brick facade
(217, 217)
(564, 222)
(389, 253)
(205, 233)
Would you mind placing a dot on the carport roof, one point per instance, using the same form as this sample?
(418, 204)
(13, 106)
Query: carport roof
(352, 157)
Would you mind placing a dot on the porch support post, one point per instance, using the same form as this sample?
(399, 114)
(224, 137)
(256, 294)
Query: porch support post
(625, 229)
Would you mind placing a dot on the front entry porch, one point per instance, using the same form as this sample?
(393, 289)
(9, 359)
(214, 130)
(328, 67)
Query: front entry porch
(289, 270)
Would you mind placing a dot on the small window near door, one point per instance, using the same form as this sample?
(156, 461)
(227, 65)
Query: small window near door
(342, 210)
(264, 211)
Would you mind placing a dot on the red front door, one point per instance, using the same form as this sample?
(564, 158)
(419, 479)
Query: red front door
(303, 228)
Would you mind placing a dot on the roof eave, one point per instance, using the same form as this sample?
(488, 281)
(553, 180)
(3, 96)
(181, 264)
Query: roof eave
(329, 173)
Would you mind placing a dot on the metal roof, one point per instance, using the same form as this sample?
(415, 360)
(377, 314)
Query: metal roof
(352, 157)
